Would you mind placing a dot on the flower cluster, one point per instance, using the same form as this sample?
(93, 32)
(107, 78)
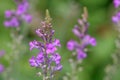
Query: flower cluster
(116, 3)
(47, 59)
(116, 17)
(85, 39)
(1, 66)
(15, 17)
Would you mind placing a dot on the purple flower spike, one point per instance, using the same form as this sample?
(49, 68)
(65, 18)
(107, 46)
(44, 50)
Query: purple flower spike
(1, 68)
(39, 33)
(58, 68)
(76, 31)
(27, 18)
(92, 41)
(57, 42)
(57, 58)
(47, 59)
(115, 19)
(7, 23)
(34, 44)
(84, 38)
(88, 40)
(51, 48)
(40, 58)
(14, 22)
(20, 10)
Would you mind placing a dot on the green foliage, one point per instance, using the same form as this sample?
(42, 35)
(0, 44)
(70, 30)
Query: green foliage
(64, 20)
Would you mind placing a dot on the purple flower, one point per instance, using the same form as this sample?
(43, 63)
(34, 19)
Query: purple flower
(2, 52)
(33, 62)
(81, 54)
(40, 58)
(37, 61)
(14, 18)
(13, 22)
(47, 60)
(35, 44)
(27, 18)
(84, 38)
(1, 68)
(71, 45)
(51, 48)
(116, 3)
(77, 32)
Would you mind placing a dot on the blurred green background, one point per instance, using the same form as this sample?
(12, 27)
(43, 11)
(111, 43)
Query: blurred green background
(65, 14)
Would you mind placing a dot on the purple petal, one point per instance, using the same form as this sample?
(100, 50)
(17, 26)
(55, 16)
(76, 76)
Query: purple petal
(7, 24)
(116, 3)
(1, 68)
(92, 41)
(81, 54)
(27, 18)
(34, 44)
(71, 45)
(8, 13)
(40, 58)
(2, 52)
(115, 19)
(57, 42)
(76, 31)
(32, 62)
(14, 22)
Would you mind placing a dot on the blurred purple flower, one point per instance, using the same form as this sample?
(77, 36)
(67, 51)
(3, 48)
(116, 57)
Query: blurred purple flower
(47, 48)
(35, 44)
(2, 52)
(1, 68)
(116, 18)
(85, 39)
(71, 45)
(116, 3)
(14, 18)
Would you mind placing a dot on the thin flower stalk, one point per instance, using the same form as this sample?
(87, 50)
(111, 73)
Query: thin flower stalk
(112, 69)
